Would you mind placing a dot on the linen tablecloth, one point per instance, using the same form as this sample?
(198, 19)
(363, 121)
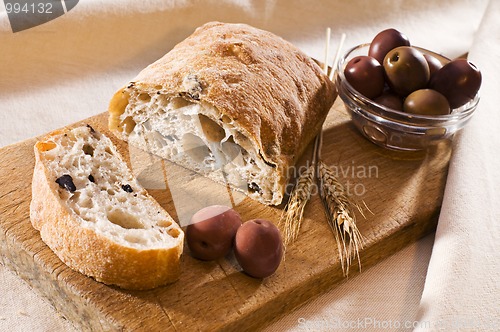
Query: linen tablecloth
(67, 69)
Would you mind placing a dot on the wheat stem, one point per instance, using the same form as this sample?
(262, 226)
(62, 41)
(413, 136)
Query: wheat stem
(339, 208)
(293, 214)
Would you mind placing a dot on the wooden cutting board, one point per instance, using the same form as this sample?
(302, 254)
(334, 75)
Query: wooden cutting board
(403, 190)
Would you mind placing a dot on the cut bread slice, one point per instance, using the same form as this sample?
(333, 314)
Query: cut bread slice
(96, 217)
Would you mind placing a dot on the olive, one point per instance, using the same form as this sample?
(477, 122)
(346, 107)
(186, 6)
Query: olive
(385, 41)
(258, 248)
(406, 70)
(426, 102)
(66, 182)
(391, 100)
(366, 75)
(459, 81)
(433, 62)
(211, 232)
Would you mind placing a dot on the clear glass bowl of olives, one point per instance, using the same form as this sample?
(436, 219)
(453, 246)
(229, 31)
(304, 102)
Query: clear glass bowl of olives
(415, 116)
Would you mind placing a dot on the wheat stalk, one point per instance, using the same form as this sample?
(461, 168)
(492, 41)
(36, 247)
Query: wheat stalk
(339, 210)
(293, 214)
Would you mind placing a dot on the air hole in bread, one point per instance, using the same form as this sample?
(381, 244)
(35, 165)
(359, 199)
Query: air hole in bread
(213, 132)
(145, 97)
(195, 148)
(173, 232)
(88, 150)
(242, 140)
(158, 87)
(164, 223)
(108, 150)
(134, 239)
(46, 146)
(230, 149)
(253, 187)
(84, 202)
(179, 102)
(128, 124)
(75, 197)
(226, 119)
(111, 192)
(124, 220)
(119, 103)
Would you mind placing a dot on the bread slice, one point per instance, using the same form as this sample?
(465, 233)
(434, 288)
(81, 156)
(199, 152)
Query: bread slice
(96, 217)
(230, 97)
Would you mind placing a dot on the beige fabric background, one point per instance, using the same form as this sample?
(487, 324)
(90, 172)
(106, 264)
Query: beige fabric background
(68, 69)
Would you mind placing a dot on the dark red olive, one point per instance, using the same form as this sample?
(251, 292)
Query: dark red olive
(258, 248)
(433, 62)
(459, 81)
(211, 232)
(426, 102)
(406, 70)
(391, 100)
(366, 75)
(385, 41)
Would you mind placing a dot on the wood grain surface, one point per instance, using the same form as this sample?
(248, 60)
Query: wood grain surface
(403, 190)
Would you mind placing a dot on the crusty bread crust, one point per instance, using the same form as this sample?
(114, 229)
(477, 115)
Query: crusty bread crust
(92, 254)
(277, 96)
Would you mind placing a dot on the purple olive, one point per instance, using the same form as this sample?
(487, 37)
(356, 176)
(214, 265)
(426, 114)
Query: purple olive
(391, 100)
(211, 232)
(459, 81)
(385, 41)
(433, 62)
(366, 75)
(426, 102)
(258, 248)
(406, 70)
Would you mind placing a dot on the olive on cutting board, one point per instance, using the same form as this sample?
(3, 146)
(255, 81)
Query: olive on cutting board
(258, 248)
(211, 233)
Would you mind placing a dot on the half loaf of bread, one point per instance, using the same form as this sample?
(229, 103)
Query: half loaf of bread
(96, 217)
(232, 102)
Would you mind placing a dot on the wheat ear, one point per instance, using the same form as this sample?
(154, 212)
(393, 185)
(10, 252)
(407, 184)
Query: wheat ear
(293, 214)
(339, 210)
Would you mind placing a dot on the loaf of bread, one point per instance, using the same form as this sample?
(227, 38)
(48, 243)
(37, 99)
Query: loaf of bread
(96, 217)
(232, 102)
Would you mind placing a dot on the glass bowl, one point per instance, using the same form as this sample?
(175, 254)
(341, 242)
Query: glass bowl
(394, 129)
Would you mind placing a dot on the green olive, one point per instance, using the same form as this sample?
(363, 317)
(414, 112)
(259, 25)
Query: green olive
(406, 70)
(426, 102)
